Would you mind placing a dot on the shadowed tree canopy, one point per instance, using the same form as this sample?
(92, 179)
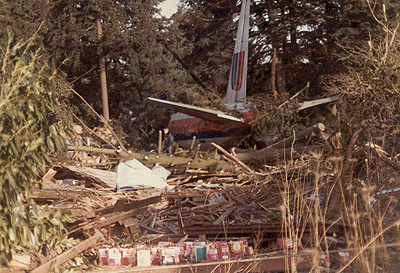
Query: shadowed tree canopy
(305, 34)
(137, 64)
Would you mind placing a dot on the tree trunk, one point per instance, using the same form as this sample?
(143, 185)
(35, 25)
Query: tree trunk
(283, 149)
(306, 133)
(270, 155)
(273, 73)
(103, 78)
(279, 77)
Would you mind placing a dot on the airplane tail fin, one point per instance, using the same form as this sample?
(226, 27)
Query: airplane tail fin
(236, 92)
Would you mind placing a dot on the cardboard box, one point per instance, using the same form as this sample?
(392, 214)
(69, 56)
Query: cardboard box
(114, 256)
(143, 257)
(128, 256)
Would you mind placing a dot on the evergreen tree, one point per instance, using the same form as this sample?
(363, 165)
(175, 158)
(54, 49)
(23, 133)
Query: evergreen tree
(21, 18)
(210, 28)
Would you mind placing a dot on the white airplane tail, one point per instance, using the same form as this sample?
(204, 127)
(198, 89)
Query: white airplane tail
(236, 93)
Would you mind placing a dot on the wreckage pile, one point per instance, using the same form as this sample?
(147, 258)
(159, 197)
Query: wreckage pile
(168, 215)
(205, 210)
(137, 209)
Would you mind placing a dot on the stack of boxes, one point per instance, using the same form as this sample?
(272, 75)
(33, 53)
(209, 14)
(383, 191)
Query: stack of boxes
(166, 253)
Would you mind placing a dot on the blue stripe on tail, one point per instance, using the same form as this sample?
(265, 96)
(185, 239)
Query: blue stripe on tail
(234, 70)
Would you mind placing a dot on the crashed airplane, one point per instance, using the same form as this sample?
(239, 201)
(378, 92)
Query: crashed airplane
(211, 125)
(208, 125)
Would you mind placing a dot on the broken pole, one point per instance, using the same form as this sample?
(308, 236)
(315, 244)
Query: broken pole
(197, 151)
(159, 142)
(192, 144)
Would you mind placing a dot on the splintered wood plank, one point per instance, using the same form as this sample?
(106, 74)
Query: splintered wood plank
(119, 205)
(48, 177)
(132, 205)
(68, 255)
(180, 220)
(224, 216)
(105, 220)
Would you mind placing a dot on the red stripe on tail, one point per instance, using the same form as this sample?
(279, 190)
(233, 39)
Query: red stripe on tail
(240, 72)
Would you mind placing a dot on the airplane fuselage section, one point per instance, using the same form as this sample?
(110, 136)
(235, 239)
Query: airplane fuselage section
(185, 127)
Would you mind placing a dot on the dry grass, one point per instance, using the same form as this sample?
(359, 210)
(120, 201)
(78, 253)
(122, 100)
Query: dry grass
(319, 192)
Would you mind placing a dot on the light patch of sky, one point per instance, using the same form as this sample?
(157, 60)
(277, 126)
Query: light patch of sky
(169, 7)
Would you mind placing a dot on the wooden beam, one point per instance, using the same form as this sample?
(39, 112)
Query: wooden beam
(149, 159)
(129, 206)
(273, 228)
(109, 219)
(223, 216)
(68, 255)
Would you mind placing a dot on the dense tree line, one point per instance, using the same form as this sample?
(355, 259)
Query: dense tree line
(306, 36)
(189, 55)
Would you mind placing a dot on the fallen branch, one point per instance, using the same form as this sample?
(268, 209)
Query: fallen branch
(295, 95)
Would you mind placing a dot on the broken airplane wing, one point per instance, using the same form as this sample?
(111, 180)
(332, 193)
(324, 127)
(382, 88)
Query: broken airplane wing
(196, 111)
(312, 103)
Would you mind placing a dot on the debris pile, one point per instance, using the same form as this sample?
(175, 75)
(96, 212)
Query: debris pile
(196, 207)
(181, 216)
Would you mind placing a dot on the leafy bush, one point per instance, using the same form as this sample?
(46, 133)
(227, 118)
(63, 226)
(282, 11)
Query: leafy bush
(29, 134)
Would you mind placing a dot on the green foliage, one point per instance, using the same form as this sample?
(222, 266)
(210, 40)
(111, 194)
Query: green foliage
(29, 134)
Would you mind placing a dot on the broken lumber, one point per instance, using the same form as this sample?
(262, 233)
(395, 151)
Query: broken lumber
(224, 216)
(129, 206)
(109, 219)
(68, 255)
(164, 160)
(312, 103)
